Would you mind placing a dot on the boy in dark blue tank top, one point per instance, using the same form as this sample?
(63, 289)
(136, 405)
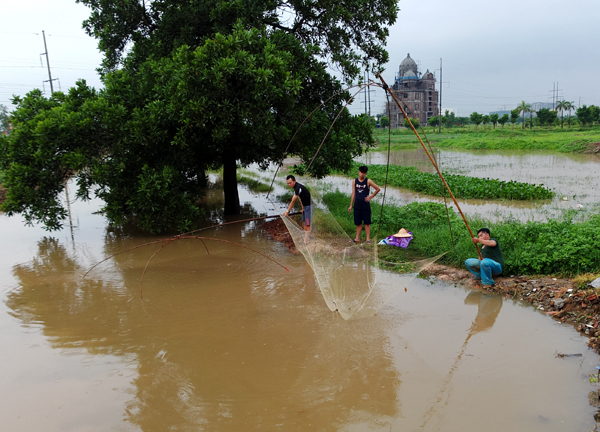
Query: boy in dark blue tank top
(361, 198)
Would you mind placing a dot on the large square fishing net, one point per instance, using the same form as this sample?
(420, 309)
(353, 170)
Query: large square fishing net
(348, 274)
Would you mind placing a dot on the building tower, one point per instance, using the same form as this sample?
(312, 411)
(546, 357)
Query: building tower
(416, 92)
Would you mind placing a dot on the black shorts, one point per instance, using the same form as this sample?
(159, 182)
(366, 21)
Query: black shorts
(362, 214)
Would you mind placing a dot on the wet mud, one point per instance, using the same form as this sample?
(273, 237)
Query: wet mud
(276, 230)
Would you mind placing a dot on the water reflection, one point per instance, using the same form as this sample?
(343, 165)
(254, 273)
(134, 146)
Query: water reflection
(488, 308)
(229, 341)
(225, 339)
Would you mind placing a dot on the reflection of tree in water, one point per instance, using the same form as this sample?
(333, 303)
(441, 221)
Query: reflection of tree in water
(202, 358)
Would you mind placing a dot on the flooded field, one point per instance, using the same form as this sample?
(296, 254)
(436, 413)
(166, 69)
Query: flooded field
(232, 342)
(575, 178)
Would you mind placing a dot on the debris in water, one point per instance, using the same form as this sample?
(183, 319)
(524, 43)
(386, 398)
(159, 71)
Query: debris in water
(561, 355)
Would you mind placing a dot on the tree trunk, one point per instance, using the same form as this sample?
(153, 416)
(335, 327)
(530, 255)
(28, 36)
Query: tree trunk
(232, 198)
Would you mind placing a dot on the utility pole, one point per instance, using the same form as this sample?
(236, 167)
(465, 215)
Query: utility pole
(369, 93)
(48, 63)
(440, 113)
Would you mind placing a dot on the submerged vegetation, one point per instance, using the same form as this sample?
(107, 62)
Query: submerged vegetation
(461, 186)
(560, 247)
(253, 184)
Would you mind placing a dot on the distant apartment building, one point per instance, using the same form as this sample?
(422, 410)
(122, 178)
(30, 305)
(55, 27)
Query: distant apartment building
(416, 93)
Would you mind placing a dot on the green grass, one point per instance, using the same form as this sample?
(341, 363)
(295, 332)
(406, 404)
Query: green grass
(253, 184)
(559, 247)
(562, 140)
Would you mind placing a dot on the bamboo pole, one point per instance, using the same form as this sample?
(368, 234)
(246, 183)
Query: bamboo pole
(386, 88)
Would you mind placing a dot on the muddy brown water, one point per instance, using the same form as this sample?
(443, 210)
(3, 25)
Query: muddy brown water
(232, 342)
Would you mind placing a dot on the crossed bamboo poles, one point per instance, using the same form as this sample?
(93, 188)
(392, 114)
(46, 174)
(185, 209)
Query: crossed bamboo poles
(433, 162)
(188, 236)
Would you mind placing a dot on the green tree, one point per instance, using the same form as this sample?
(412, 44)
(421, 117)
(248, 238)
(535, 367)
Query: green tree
(414, 121)
(561, 106)
(514, 116)
(594, 114)
(523, 109)
(348, 34)
(569, 106)
(545, 116)
(503, 120)
(194, 86)
(433, 121)
(584, 115)
(476, 118)
(494, 119)
(485, 119)
(384, 121)
(449, 119)
(462, 120)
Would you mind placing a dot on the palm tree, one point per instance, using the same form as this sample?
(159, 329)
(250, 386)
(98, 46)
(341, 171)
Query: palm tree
(569, 106)
(561, 105)
(524, 108)
(531, 111)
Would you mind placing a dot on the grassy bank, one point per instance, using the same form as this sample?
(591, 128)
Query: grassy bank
(462, 186)
(561, 140)
(559, 247)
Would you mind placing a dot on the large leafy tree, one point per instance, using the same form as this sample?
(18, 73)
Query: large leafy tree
(195, 85)
(349, 33)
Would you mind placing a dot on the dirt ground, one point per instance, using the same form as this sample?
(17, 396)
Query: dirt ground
(593, 147)
(562, 298)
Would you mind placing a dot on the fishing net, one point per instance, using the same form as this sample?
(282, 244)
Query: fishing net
(348, 274)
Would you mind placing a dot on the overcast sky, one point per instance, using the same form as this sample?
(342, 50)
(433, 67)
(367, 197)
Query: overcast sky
(494, 54)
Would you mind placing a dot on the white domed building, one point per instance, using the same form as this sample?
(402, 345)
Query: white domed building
(417, 94)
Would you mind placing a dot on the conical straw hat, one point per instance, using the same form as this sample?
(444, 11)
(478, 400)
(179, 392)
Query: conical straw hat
(403, 233)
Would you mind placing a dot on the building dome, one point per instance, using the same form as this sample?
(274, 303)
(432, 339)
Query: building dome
(428, 76)
(408, 65)
(409, 74)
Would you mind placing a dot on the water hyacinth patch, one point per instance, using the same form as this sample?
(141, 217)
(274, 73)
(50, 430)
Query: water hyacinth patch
(462, 186)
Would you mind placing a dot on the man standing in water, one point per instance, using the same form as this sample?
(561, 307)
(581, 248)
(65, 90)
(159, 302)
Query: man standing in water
(492, 262)
(301, 191)
(361, 197)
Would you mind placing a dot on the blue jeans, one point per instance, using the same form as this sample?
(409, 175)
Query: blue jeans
(487, 267)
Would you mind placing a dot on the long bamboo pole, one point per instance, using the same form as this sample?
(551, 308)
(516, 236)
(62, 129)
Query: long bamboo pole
(386, 88)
